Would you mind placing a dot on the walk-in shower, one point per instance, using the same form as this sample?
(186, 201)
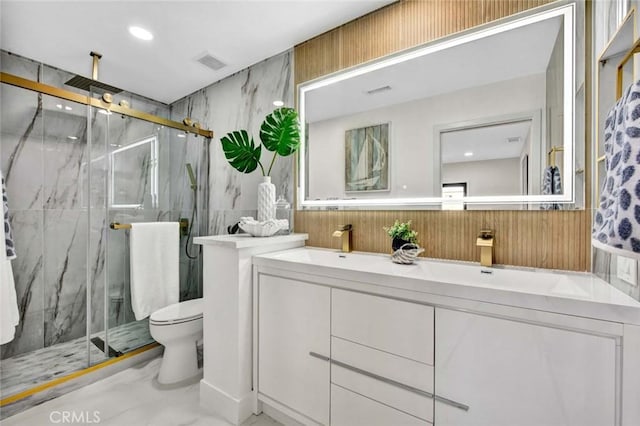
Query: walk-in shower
(73, 165)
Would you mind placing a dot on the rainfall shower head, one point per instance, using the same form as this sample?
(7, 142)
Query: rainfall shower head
(192, 177)
(84, 83)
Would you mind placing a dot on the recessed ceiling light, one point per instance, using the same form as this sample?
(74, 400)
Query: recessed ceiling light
(59, 106)
(140, 33)
(278, 103)
(68, 108)
(73, 138)
(468, 154)
(182, 135)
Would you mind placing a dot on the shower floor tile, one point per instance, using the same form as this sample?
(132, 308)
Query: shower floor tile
(25, 371)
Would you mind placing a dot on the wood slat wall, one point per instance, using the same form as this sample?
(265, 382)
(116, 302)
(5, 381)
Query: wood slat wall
(543, 239)
(537, 239)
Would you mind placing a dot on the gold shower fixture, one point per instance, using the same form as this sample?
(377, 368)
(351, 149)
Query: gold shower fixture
(94, 66)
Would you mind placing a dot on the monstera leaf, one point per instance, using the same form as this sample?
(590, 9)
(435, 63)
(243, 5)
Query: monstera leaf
(280, 131)
(241, 152)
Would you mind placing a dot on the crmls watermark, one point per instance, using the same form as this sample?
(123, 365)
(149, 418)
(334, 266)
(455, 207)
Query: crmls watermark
(77, 417)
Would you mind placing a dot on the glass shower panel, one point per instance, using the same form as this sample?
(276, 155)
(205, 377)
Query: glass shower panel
(21, 161)
(189, 201)
(95, 175)
(137, 192)
(65, 219)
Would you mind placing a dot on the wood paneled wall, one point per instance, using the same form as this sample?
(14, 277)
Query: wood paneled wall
(537, 239)
(396, 27)
(543, 239)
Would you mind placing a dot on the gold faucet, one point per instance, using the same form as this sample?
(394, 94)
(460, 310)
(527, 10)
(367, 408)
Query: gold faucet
(345, 233)
(485, 242)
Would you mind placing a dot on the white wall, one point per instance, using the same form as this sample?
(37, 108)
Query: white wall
(490, 177)
(412, 135)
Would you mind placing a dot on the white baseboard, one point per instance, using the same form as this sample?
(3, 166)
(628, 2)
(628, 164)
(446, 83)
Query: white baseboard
(279, 416)
(218, 402)
(284, 414)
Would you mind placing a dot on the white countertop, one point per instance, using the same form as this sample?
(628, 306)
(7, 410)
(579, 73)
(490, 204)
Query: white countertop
(245, 240)
(570, 293)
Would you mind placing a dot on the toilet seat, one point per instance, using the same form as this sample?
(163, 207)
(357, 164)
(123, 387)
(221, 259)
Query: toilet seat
(189, 310)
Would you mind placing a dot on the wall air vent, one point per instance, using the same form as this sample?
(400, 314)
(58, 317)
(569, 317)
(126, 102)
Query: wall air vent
(209, 61)
(378, 90)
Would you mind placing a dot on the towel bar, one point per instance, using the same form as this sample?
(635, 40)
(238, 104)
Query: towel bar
(551, 159)
(116, 225)
(619, 76)
(184, 226)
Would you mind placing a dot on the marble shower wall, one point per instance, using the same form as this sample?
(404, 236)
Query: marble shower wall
(240, 101)
(60, 228)
(42, 145)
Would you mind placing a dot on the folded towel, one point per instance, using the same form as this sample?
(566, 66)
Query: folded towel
(9, 314)
(154, 254)
(551, 185)
(617, 221)
(9, 247)
(265, 228)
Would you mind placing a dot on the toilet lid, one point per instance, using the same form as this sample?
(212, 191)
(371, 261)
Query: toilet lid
(187, 310)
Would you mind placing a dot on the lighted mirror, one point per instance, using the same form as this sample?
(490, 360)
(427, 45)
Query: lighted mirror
(476, 120)
(134, 174)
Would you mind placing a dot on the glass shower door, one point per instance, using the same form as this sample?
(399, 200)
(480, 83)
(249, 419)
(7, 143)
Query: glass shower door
(131, 170)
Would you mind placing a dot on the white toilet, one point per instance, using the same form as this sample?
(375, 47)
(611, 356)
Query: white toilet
(178, 327)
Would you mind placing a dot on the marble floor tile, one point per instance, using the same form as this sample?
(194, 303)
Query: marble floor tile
(131, 397)
(27, 370)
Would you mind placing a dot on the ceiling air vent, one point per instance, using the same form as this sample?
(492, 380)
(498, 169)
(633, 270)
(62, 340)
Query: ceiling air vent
(514, 139)
(209, 61)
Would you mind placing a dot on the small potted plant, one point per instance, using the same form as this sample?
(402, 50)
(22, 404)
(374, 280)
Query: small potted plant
(402, 234)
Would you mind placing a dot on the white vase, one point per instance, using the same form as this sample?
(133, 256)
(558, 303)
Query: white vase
(266, 200)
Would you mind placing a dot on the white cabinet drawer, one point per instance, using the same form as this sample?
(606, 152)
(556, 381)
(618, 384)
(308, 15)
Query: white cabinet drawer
(399, 369)
(351, 409)
(394, 326)
(389, 379)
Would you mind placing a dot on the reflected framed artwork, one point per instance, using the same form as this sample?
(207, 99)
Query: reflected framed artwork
(367, 158)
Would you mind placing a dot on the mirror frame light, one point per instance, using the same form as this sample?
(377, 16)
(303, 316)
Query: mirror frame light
(153, 172)
(567, 11)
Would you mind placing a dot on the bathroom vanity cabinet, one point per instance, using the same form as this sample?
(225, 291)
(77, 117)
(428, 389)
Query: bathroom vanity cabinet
(335, 350)
(511, 372)
(294, 321)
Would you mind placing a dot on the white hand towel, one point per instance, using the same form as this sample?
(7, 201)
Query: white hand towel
(9, 314)
(154, 254)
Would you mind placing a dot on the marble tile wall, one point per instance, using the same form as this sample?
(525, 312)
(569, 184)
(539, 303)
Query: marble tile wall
(60, 216)
(240, 101)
